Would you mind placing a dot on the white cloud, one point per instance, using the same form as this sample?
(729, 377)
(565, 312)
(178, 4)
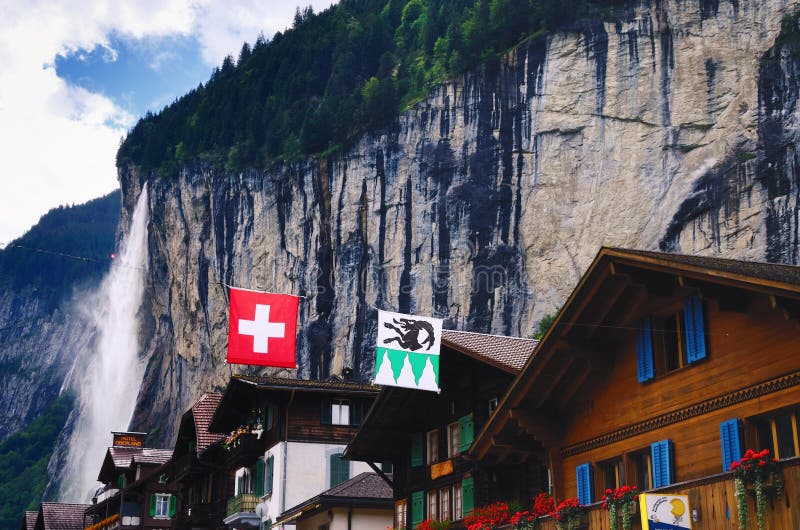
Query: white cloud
(58, 142)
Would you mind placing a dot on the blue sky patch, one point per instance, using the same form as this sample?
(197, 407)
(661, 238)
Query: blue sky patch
(137, 74)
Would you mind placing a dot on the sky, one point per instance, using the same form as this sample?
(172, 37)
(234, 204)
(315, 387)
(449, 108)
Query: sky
(75, 75)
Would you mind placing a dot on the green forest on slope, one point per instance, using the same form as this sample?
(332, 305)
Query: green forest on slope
(69, 245)
(23, 463)
(354, 66)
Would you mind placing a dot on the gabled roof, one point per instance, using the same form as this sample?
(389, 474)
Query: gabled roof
(608, 271)
(61, 516)
(507, 353)
(202, 412)
(366, 489)
(242, 387)
(29, 521)
(119, 458)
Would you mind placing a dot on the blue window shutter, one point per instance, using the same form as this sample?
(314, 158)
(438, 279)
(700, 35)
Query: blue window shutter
(694, 329)
(731, 439)
(661, 457)
(644, 350)
(416, 449)
(417, 508)
(583, 473)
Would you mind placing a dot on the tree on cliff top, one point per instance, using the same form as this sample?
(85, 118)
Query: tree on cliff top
(334, 74)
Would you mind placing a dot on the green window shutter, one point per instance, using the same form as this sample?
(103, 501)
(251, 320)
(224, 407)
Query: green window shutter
(416, 449)
(465, 432)
(340, 470)
(153, 505)
(325, 413)
(467, 496)
(260, 472)
(270, 418)
(173, 505)
(356, 413)
(417, 508)
(270, 465)
(122, 481)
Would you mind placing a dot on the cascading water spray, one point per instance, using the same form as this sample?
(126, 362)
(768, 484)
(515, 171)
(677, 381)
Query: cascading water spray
(108, 376)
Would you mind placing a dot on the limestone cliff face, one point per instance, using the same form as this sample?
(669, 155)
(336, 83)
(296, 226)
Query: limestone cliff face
(671, 128)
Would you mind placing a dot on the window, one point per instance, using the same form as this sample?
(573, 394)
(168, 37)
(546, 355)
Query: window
(339, 469)
(433, 505)
(643, 479)
(387, 467)
(456, 502)
(400, 514)
(492, 405)
(453, 447)
(444, 503)
(432, 446)
(162, 505)
(340, 412)
(245, 481)
(611, 471)
(667, 342)
(779, 434)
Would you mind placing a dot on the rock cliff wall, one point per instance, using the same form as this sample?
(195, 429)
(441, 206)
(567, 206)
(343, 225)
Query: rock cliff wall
(673, 127)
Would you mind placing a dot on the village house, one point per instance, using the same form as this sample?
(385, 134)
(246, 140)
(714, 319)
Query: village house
(135, 493)
(659, 372)
(29, 521)
(365, 502)
(196, 471)
(285, 439)
(426, 435)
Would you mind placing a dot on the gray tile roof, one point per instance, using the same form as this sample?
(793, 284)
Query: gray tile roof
(332, 383)
(365, 485)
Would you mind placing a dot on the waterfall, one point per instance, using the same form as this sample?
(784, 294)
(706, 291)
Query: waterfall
(106, 377)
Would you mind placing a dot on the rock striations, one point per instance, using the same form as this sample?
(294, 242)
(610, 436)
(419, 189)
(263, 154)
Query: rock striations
(672, 128)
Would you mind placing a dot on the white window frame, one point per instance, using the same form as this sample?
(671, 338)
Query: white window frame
(162, 501)
(340, 412)
(432, 504)
(432, 446)
(453, 438)
(248, 482)
(457, 506)
(444, 503)
(400, 512)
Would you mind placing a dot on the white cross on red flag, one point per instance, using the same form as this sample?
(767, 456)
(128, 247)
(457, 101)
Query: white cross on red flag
(263, 329)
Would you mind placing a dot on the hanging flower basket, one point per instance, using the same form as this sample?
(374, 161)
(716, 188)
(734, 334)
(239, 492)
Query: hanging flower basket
(621, 505)
(570, 515)
(760, 474)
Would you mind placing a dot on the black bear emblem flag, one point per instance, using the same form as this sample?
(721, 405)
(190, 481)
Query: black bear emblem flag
(407, 351)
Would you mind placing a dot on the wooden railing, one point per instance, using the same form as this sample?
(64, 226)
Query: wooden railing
(246, 502)
(715, 502)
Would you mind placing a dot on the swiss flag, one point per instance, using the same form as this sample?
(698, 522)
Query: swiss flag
(263, 329)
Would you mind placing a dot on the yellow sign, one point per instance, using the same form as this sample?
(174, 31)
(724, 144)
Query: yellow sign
(441, 469)
(665, 512)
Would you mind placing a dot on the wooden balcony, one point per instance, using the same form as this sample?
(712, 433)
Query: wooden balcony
(246, 502)
(715, 502)
(245, 450)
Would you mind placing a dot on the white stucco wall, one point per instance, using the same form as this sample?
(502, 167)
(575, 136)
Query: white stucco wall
(307, 475)
(362, 519)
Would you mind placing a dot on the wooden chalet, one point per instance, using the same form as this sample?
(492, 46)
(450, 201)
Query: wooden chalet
(201, 483)
(658, 372)
(284, 442)
(427, 435)
(135, 492)
(59, 516)
(365, 502)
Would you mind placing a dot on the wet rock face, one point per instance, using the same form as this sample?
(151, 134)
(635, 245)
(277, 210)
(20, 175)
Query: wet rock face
(672, 127)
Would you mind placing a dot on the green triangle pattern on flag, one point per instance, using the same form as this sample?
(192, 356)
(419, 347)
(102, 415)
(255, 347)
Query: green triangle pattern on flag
(417, 361)
(396, 358)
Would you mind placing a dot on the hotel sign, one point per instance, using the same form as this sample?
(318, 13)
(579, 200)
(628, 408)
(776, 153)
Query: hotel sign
(665, 512)
(129, 439)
